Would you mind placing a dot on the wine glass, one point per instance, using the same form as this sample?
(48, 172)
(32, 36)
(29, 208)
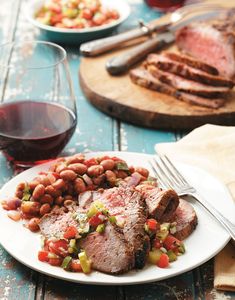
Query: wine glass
(37, 102)
(165, 5)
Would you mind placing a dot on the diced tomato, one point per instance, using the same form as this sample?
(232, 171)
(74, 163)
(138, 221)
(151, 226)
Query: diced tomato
(96, 219)
(163, 261)
(59, 247)
(56, 261)
(171, 243)
(87, 14)
(56, 19)
(71, 232)
(43, 256)
(91, 162)
(54, 7)
(152, 224)
(76, 266)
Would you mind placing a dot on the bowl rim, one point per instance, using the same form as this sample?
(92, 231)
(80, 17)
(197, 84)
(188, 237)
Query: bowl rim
(30, 8)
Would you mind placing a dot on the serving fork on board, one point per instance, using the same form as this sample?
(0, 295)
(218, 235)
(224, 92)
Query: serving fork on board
(169, 177)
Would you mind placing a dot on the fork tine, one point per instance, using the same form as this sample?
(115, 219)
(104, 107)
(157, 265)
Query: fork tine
(158, 176)
(179, 175)
(163, 174)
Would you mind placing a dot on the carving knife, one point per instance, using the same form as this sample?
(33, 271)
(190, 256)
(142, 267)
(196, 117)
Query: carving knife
(122, 63)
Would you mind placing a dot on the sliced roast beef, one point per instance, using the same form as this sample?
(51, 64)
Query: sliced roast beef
(186, 219)
(108, 251)
(143, 78)
(188, 86)
(164, 63)
(128, 205)
(211, 42)
(161, 204)
(56, 223)
(192, 62)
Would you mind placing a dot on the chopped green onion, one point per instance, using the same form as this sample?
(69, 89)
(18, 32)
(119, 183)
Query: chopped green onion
(100, 228)
(122, 166)
(112, 219)
(66, 262)
(162, 234)
(172, 256)
(52, 255)
(165, 226)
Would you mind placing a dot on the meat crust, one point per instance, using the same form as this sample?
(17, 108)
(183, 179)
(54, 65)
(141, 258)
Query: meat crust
(143, 78)
(164, 63)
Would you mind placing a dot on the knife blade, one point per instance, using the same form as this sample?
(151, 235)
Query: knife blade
(122, 63)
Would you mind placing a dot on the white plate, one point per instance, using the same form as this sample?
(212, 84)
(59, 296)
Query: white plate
(65, 35)
(205, 242)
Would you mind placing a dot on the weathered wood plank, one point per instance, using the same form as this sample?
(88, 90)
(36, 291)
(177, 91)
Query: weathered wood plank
(140, 139)
(57, 289)
(16, 281)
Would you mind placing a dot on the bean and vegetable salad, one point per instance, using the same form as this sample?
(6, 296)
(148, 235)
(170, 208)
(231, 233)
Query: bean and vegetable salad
(75, 14)
(60, 187)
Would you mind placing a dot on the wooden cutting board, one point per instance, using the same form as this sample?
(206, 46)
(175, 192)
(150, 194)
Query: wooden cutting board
(120, 98)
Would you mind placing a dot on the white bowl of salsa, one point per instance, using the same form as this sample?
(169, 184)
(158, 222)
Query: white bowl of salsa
(74, 25)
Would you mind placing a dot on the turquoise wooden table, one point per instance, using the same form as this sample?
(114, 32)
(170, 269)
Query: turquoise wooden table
(95, 132)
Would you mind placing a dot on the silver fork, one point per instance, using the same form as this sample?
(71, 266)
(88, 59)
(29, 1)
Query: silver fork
(170, 177)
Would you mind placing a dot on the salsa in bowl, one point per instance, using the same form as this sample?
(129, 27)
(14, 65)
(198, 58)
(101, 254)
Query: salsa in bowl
(76, 21)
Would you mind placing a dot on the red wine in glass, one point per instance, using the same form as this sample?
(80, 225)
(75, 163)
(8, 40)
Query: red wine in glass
(34, 131)
(37, 102)
(165, 5)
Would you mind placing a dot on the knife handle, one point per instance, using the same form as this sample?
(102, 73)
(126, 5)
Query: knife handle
(103, 45)
(122, 63)
(100, 46)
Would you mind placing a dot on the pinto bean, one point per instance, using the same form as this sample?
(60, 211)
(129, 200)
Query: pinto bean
(46, 198)
(39, 191)
(43, 179)
(99, 180)
(79, 185)
(19, 194)
(107, 164)
(68, 197)
(61, 167)
(32, 184)
(68, 175)
(20, 186)
(78, 168)
(51, 177)
(142, 171)
(45, 209)
(95, 171)
(31, 208)
(77, 158)
(59, 184)
(52, 191)
(68, 202)
(121, 174)
(33, 224)
(111, 177)
(59, 200)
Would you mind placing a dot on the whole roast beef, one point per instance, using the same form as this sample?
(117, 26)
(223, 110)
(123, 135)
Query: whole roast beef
(211, 42)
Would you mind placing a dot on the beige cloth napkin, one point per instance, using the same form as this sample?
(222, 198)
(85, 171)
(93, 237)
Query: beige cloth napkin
(212, 148)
